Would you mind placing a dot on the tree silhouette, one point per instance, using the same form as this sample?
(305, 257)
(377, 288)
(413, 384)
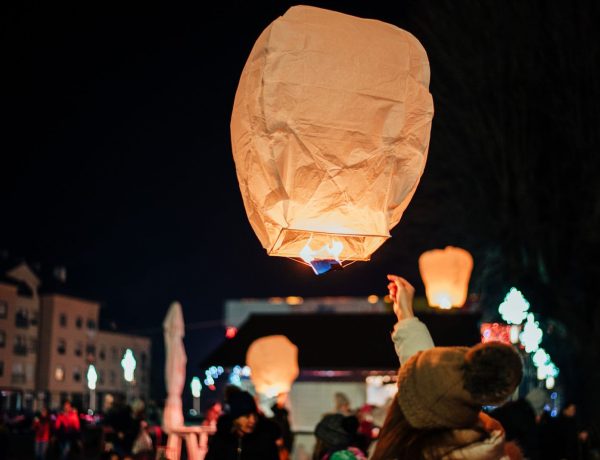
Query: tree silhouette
(513, 173)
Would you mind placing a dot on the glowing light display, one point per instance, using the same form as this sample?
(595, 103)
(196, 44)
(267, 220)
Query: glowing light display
(92, 377)
(128, 364)
(514, 307)
(495, 332)
(196, 387)
(531, 337)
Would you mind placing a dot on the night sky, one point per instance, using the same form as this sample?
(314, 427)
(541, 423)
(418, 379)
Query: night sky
(116, 162)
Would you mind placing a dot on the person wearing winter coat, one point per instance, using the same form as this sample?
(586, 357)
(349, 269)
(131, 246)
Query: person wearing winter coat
(244, 434)
(336, 436)
(437, 413)
(520, 421)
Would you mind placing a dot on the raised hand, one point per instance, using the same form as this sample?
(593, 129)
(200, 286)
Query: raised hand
(402, 293)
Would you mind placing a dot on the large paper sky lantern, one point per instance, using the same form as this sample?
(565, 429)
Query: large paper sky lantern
(446, 274)
(274, 364)
(330, 132)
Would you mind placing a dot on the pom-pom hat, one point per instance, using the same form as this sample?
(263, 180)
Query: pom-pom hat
(445, 387)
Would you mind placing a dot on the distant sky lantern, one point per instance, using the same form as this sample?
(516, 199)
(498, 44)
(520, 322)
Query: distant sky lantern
(330, 135)
(274, 364)
(446, 274)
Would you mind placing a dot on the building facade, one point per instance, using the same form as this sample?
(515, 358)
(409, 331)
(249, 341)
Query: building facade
(48, 343)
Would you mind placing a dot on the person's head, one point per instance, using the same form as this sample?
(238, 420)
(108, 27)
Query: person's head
(537, 399)
(570, 409)
(443, 388)
(44, 412)
(334, 432)
(67, 407)
(342, 403)
(229, 391)
(243, 412)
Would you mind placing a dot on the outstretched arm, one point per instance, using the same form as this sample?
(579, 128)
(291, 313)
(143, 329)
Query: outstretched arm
(410, 335)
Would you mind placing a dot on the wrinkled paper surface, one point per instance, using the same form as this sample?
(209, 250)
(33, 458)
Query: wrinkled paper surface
(330, 130)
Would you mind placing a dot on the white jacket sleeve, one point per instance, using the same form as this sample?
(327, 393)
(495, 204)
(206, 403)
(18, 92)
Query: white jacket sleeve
(410, 336)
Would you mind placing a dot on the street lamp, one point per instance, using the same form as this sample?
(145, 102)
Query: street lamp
(128, 364)
(196, 388)
(92, 378)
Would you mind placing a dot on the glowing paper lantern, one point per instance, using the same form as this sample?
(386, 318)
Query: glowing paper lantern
(274, 364)
(446, 275)
(330, 132)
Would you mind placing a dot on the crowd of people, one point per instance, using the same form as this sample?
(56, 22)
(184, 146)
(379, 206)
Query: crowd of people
(120, 431)
(438, 413)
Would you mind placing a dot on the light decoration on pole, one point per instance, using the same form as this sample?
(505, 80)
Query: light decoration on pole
(92, 377)
(128, 364)
(195, 387)
(531, 336)
(514, 308)
(330, 136)
(446, 273)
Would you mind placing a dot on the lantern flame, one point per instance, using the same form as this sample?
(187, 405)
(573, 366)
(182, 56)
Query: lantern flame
(324, 259)
(444, 300)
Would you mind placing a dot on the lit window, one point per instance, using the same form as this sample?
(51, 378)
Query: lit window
(59, 373)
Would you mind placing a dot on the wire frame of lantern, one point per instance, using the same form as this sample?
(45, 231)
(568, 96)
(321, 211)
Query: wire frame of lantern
(446, 274)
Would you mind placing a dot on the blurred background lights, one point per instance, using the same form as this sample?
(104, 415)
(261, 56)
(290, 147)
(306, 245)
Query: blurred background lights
(196, 387)
(514, 307)
(531, 337)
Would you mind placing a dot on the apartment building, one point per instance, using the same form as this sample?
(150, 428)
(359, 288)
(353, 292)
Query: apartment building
(49, 340)
(19, 333)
